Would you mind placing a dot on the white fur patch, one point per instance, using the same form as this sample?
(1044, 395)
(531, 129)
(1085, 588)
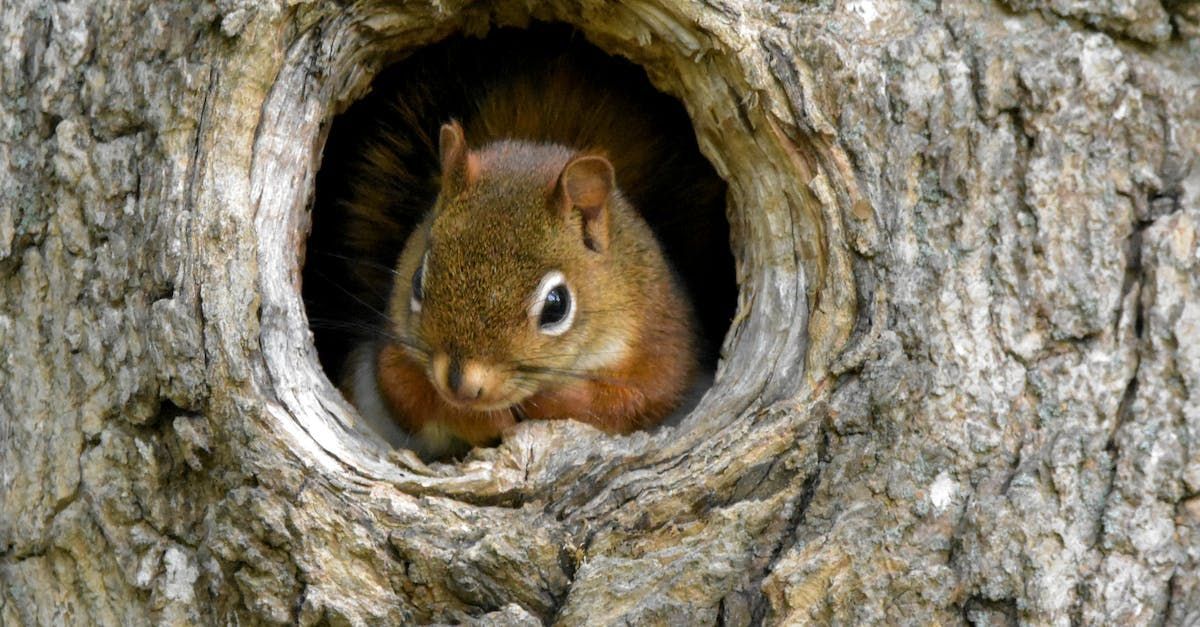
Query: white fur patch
(434, 439)
(610, 353)
(364, 388)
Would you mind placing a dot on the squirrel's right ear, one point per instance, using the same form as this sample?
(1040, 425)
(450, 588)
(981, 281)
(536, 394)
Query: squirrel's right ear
(460, 168)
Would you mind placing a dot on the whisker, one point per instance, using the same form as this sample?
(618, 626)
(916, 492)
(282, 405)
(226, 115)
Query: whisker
(382, 315)
(539, 357)
(359, 261)
(528, 386)
(364, 329)
(369, 331)
(565, 373)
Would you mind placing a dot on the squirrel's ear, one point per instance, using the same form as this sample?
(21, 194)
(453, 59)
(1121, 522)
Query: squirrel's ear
(585, 186)
(460, 168)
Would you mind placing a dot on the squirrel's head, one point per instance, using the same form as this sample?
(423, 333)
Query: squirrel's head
(519, 278)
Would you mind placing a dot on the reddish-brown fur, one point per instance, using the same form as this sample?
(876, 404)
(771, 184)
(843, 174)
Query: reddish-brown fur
(638, 394)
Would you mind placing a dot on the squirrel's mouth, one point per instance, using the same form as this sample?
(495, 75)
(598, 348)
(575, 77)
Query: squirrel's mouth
(489, 401)
(477, 406)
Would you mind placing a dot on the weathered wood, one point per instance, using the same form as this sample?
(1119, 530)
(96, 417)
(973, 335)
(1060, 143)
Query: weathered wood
(963, 384)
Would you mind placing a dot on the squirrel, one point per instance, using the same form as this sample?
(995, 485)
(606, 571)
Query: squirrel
(531, 290)
(506, 267)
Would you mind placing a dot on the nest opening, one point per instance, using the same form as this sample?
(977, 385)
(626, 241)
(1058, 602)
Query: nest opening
(340, 285)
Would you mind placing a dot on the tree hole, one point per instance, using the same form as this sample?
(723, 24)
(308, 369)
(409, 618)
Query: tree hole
(382, 152)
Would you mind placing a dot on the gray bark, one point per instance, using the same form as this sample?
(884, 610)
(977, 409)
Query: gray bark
(963, 385)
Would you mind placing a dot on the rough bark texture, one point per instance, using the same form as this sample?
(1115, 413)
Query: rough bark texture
(963, 384)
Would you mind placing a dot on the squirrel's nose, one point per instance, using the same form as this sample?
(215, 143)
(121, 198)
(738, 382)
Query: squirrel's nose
(462, 380)
(465, 381)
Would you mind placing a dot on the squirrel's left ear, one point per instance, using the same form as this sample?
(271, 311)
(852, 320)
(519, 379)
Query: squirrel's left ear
(585, 186)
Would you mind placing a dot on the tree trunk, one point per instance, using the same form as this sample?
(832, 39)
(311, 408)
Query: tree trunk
(963, 385)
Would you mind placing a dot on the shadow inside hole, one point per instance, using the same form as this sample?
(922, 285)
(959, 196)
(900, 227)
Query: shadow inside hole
(347, 275)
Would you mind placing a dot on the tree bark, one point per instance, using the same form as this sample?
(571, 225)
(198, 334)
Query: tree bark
(963, 385)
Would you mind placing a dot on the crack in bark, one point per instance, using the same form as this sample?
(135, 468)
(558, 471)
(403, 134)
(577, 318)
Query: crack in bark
(1166, 615)
(202, 123)
(796, 519)
(1089, 22)
(1006, 607)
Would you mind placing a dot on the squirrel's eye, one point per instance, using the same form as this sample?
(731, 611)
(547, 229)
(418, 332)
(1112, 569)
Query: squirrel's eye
(553, 307)
(418, 286)
(554, 310)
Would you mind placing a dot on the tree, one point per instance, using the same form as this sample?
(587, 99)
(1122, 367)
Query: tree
(963, 384)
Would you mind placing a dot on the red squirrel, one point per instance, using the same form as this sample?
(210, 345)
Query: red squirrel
(531, 286)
